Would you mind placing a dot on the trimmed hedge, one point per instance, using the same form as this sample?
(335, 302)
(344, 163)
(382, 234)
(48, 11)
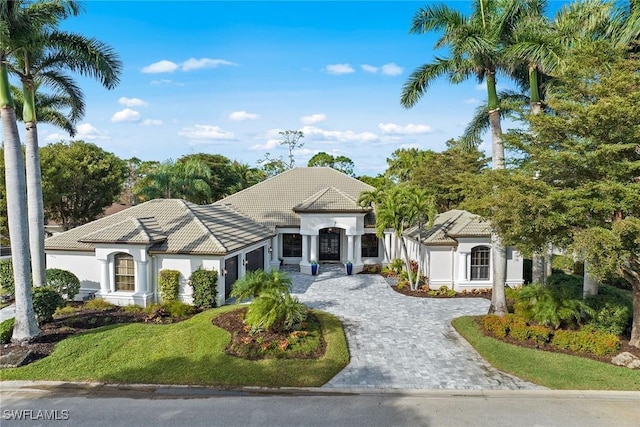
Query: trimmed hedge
(587, 340)
(169, 284)
(6, 276)
(204, 284)
(46, 301)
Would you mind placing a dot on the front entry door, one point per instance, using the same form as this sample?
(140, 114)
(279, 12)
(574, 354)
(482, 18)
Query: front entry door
(329, 239)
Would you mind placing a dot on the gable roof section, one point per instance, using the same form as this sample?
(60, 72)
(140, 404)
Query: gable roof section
(451, 225)
(171, 226)
(131, 230)
(330, 199)
(272, 202)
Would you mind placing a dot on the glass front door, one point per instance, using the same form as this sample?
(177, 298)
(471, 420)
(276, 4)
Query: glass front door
(329, 239)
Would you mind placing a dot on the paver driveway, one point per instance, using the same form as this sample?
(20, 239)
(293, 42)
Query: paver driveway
(397, 341)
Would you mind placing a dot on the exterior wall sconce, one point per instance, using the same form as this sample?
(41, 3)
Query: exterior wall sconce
(245, 262)
(224, 271)
(270, 249)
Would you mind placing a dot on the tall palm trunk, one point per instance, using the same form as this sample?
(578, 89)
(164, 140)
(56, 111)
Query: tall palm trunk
(25, 326)
(499, 252)
(35, 205)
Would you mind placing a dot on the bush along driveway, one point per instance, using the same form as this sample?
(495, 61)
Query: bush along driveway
(396, 341)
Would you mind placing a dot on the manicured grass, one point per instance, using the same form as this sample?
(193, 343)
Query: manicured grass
(189, 352)
(553, 370)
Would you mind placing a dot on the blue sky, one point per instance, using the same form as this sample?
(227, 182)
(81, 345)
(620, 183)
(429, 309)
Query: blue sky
(225, 77)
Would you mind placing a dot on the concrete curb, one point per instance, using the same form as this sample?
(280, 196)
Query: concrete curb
(182, 391)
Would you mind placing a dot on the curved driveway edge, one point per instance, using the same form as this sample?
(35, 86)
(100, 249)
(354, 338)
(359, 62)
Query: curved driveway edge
(400, 342)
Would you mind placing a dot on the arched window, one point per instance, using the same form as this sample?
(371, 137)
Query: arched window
(125, 272)
(480, 263)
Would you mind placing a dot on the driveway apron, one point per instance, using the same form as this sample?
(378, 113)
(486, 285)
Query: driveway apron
(396, 341)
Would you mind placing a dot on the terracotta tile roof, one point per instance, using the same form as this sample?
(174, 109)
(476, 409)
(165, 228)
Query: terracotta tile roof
(187, 228)
(450, 225)
(271, 202)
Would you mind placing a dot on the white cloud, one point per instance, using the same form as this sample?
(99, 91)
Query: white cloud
(84, 131)
(240, 116)
(160, 82)
(313, 118)
(163, 66)
(132, 102)
(126, 115)
(151, 122)
(410, 129)
(166, 66)
(338, 69)
(269, 145)
(196, 64)
(391, 69)
(206, 132)
(337, 135)
(472, 101)
(369, 68)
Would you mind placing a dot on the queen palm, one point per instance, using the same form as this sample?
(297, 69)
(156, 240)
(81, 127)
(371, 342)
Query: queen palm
(475, 44)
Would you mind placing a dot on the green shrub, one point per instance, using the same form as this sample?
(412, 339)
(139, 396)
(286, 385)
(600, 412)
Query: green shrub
(6, 331)
(570, 285)
(552, 305)
(6, 276)
(64, 311)
(46, 301)
(64, 282)
(169, 284)
(255, 282)
(443, 291)
(496, 325)
(518, 328)
(178, 309)
(540, 334)
(132, 308)
(98, 304)
(586, 340)
(204, 283)
(276, 311)
(613, 310)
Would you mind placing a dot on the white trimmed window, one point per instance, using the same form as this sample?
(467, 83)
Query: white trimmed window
(480, 263)
(125, 272)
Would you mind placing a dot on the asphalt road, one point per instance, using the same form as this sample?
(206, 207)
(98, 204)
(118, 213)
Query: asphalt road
(99, 405)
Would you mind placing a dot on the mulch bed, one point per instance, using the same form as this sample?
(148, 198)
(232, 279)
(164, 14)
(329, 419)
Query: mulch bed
(65, 326)
(422, 293)
(241, 337)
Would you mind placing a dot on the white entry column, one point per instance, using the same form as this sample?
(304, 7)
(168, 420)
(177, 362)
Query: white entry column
(462, 267)
(313, 250)
(350, 248)
(105, 286)
(305, 249)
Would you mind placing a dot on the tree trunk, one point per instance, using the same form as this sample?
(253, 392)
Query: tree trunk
(499, 263)
(407, 262)
(35, 205)
(25, 327)
(589, 284)
(537, 269)
(635, 324)
(499, 252)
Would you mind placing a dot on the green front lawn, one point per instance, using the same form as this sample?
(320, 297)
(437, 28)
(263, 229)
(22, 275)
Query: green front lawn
(189, 352)
(553, 370)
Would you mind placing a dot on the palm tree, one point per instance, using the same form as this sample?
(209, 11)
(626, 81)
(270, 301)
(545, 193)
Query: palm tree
(183, 179)
(475, 44)
(13, 25)
(423, 208)
(39, 60)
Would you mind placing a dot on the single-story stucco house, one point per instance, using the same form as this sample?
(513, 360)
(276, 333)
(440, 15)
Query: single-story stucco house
(296, 217)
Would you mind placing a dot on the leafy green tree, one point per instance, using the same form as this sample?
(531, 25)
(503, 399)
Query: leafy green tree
(246, 176)
(341, 163)
(79, 181)
(223, 177)
(273, 166)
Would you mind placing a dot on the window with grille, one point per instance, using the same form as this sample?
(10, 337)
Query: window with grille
(369, 246)
(291, 245)
(125, 272)
(480, 263)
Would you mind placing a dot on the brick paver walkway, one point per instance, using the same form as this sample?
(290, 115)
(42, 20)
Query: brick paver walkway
(397, 341)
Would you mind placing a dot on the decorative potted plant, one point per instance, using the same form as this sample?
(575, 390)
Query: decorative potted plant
(349, 266)
(314, 267)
